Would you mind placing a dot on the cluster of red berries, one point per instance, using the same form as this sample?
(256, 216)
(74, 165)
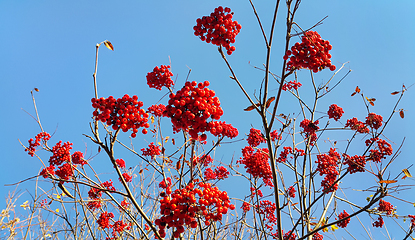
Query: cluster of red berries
(61, 157)
(356, 163)
(335, 112)
(412, 217)
(255, 137)
(156, 110)
(343, 223)
(289, 150)
(204, 160)
(95, 195)
(327, 165)
(183, 207)
(291, 85)
(317, 236)
(312, 53)
(123, 113)
(32, 145)
(357, 125)
(291, 192)
(117, 228)
(218, 28)
(385, 207)
(160, 77)
(379, 223)
(267, 208)
(384, 149)
(374, 121)
(152, 150)
(310, 129)
(191, 108)
(257, 163)
(220, 173)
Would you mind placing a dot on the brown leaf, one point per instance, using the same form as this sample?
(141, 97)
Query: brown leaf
(178, 165)
(269, 101)
(406, 172)
(353, 94)
(37, 89)
(357, 89)
(401, 113)
(388, 181)
(371, 103)
(173, 141)
(396, 92)
(108, 44)
(141, 171)
(99, 149)
(252, 107)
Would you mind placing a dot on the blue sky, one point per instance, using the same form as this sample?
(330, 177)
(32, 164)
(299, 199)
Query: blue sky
(50, 45)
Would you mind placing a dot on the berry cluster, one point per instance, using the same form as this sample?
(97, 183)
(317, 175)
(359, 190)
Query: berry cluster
(274, 135)
(327, 165)
(183, 207)
(374, 121)
(32, 145)
(379, 223)
(160, 77)
(192, 106)
(204, 160)
(312, 53)
(384, 149)
(151, 151)
(267, 208)
(310, 129)
(291, 85)
(317, 236)
(257, 164)
(220, 173)
(356, 125)
(95, 194)
(412, 217)
(255, 137)
(335, 112)
(127, 177)
(356, 163)
(291, 192)
(385, 207)
(218, 28)
(156, 110)
(343, 223)
(123, 113)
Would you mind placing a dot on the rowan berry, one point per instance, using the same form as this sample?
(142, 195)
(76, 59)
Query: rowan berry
(345, 222)
(335, 112)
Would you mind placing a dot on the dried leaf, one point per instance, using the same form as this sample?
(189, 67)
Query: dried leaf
(371, 103)
(37, 89)
(152, 119)
(401, 113)
(99, 149)
(396, 92)
(166, 139)
(252, 107)
(406, 172)
(178, 165)
(353, 94)
(294, 204)
(108, 44)
(269, 101)
(173, 141)
(357, 89)
(141, 171)
(388, 181)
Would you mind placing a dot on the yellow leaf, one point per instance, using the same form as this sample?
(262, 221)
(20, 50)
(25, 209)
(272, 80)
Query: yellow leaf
(159, 143)
(108, 44)
(166, 139)
(57, 210)
(152, 119)
(406, 172)
(334, 228)
(25, 205)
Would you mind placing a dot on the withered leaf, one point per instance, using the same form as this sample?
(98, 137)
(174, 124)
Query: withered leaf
(269, 101)
(387, 181)
(252, 107)
(406, 172)
(353, 94)
(357, 89)
(396, 92)
(108, 44)
(401, 113)
(37, 89)
(178, 165)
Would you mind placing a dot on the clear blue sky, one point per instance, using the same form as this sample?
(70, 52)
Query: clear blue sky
(50, 45)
